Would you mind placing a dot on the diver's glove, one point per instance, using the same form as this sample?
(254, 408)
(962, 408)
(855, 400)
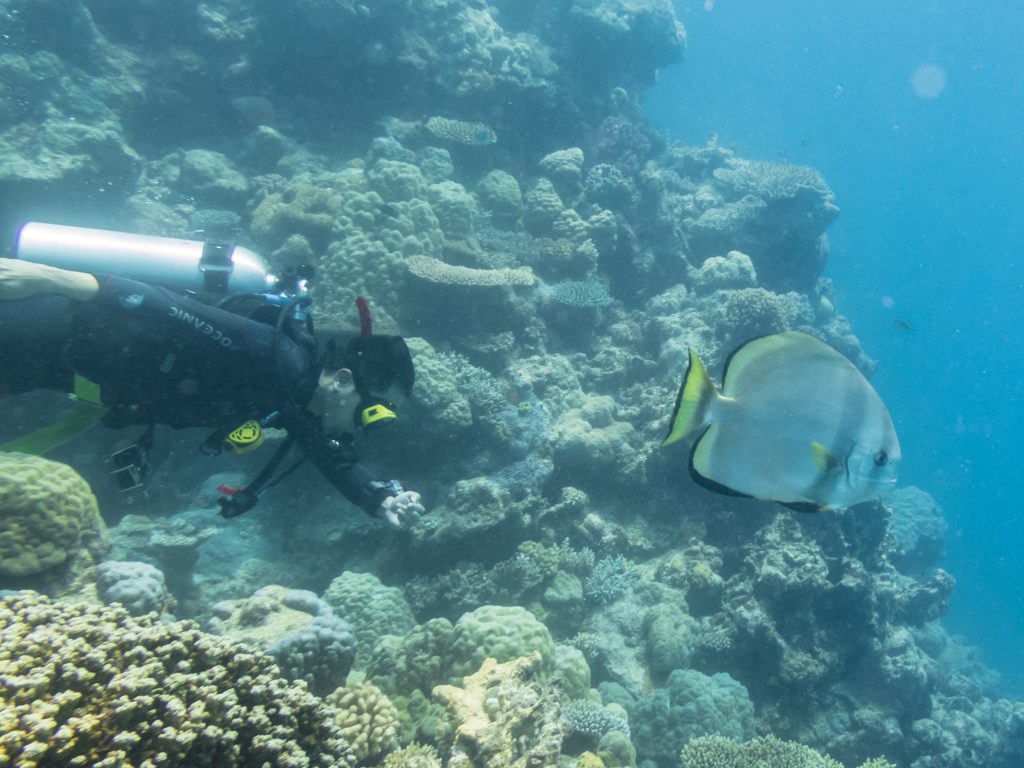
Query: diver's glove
(401, 510)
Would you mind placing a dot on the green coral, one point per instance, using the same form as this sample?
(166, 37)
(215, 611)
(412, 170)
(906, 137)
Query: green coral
(49, 515)
(764, 752)
(437, 390)
(414, 662)
(372, 609)
(498, 632)
(89, 685)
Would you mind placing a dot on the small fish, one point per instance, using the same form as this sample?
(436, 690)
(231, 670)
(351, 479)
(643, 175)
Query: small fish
(903, 325)
(795, 422)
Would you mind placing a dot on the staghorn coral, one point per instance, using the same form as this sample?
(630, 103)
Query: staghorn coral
(764, 752)
(366, 718)
(437, 271)
(612, 577)
(504, 716)
(49, 514)
(88, 685)
(590, 719)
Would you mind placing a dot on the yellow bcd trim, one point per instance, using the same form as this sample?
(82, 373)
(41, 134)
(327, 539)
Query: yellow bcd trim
(246, 437)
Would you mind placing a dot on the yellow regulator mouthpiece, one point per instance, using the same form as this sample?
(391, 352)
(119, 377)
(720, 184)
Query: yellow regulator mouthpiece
(245, 438)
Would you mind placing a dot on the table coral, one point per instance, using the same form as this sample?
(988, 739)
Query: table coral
(49, 514)
(88, 685)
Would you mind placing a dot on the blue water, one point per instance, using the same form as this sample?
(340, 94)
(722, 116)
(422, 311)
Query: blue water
(927, 252)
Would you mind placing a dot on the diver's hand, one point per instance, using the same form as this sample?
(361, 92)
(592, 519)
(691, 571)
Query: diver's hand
(402, 510)
(21, 279)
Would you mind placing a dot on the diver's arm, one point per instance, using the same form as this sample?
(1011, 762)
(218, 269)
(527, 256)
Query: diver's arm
(339, 464)
(21, 279)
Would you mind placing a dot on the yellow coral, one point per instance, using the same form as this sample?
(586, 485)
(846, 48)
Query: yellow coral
(49, 514)
(367, 718)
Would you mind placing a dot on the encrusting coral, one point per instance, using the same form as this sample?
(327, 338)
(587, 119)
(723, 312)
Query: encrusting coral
(504, 715)
(92, 686)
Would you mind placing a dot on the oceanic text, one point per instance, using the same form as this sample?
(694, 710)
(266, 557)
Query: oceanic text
(201, 325)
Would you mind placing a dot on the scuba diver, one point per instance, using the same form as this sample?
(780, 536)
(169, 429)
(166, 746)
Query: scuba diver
(72, 319)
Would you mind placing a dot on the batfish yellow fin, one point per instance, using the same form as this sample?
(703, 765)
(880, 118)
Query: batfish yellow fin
(695, 396)
(823, 458)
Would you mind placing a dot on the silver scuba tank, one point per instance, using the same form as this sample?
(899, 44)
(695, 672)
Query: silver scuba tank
(178, 264)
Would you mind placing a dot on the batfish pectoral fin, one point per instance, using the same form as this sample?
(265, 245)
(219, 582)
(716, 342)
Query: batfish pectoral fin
(823, 458)
(696, 394)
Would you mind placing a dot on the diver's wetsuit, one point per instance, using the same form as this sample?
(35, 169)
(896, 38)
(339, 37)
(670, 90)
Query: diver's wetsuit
(162, 358)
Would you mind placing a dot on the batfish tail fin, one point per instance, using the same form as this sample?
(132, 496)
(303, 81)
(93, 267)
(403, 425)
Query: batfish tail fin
(693, 403)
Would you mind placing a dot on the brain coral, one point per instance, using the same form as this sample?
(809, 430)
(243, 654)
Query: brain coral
(87, 685)
(49, 513)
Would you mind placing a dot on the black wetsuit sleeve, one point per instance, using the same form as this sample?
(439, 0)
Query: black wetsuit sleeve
(338, 462)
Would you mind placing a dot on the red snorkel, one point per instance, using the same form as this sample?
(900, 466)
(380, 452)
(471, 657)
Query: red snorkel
(365, 320)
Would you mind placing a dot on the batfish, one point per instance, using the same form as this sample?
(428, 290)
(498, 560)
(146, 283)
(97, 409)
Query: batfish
(795, 422)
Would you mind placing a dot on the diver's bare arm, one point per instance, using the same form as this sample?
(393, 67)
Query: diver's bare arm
(21, 279)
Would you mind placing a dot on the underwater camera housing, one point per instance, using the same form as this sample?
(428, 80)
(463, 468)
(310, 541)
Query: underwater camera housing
(210, 267)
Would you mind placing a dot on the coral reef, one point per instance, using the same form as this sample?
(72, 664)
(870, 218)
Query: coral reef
(139, 587)
(297, 629)
(503, 715)
(482, 173)
(49, 515)
(372, 609)
(766, 752)
(93, 686)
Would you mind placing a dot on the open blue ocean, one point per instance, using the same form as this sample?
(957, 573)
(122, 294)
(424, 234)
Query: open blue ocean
(927, 254)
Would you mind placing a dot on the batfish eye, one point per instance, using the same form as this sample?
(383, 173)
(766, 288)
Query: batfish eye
(881, 459)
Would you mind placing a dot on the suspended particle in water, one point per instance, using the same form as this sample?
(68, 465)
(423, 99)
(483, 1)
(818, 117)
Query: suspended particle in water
(928, 81)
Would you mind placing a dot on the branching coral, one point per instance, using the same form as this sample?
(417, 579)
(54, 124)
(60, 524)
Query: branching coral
(765, 752)
(367, 718)
(89, 685)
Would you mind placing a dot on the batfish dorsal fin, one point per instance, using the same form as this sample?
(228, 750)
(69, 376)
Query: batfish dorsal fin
(696, 394)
